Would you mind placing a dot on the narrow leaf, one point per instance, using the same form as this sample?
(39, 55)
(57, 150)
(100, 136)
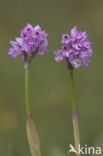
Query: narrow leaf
(76, 132)
(33, 138)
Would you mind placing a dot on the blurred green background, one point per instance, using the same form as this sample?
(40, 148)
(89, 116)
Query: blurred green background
(49, 81)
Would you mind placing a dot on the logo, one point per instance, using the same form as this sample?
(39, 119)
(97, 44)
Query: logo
(85, 150)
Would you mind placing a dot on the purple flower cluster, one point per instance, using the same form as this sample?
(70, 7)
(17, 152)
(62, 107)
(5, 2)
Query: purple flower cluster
(76, 49)
(32, 42)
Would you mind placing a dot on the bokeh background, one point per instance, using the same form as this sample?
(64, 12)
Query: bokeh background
(49, 81)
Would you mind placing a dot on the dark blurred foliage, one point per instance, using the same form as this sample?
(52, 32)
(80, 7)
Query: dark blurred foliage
(49, 81)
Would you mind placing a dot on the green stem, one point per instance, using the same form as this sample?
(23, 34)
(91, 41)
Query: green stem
(27, 90)
(72, 91)
(75, 119)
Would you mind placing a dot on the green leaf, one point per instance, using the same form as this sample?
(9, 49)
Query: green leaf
(33, 138)
(76, 132)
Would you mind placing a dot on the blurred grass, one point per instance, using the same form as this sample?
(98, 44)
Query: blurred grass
(49, 81)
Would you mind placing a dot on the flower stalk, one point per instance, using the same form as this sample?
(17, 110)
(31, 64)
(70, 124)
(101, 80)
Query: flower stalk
(76, 50)
(72, 91)
(33, 42)
(27, 90)
(75, 119)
